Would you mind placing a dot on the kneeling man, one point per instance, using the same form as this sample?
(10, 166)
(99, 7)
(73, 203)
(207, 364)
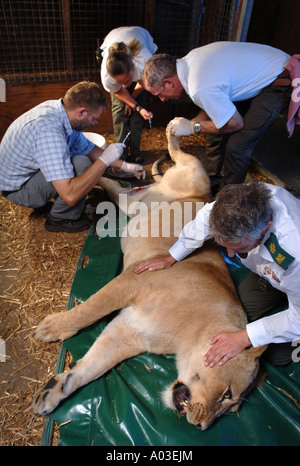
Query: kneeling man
(260, 223)
(44, 155)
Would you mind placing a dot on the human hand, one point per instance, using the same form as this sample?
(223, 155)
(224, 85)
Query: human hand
(145, 114)
(180, 126)
(137, 170)
(225, 346)
(158, 263)
(128, 110)
(112, 153)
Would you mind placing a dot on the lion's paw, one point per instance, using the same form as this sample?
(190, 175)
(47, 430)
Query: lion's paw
(51, 394)
(52, 328)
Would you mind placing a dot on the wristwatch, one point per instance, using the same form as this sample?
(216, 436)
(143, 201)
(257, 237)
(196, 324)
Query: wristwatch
(137, 108)
(197, 128)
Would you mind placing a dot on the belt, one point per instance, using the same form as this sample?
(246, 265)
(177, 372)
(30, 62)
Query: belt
(283, 79)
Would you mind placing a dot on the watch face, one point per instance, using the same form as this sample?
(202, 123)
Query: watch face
(197, 127)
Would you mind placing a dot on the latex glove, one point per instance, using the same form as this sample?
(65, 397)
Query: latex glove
(137, 170)
(180, 127)
(112, 153)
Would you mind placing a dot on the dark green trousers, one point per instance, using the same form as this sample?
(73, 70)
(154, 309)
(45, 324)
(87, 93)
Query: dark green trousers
(122, 123)
(259, 299)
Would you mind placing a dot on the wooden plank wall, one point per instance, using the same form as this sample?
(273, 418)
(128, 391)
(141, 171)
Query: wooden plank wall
(20, 98)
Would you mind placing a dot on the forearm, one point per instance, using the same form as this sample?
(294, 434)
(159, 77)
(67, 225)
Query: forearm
(74, 189)
(180, 126)
(137, 90)
(97, 152)
(131, 103)
(126, 97)
(207, 125)
(193, 234)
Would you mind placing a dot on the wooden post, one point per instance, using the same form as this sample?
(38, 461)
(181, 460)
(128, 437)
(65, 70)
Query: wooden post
(65, 8)
(149, 15)
(196, 14)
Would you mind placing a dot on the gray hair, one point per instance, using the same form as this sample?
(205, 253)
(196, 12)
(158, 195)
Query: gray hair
(241, 212)
(158, 68)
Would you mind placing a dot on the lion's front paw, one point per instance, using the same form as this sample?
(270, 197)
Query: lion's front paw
(52, 329)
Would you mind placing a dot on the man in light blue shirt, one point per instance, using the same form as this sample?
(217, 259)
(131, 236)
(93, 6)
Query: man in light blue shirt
(44, 155)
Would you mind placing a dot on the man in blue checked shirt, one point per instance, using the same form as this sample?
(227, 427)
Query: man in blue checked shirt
(44, 155)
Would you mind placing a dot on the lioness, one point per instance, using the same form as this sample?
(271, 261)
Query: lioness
(175, 311)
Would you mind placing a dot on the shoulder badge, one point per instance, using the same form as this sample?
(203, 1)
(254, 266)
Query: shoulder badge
(280, 256)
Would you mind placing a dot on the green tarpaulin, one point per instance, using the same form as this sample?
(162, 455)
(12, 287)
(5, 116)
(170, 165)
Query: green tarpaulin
(124, 408)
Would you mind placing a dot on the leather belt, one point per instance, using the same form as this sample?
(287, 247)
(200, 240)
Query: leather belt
(283, 79)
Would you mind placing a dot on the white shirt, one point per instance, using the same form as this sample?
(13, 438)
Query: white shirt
(126, 34)
(283, 274)
(220, 73)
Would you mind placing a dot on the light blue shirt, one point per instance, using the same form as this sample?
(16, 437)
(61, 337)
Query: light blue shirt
(40, 139)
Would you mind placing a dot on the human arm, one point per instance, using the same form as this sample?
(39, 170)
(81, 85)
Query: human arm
(130, 100)
(137, 170)
(191, 237)
(71, 190)
(280, 327)
(180, 126)
(226, 345)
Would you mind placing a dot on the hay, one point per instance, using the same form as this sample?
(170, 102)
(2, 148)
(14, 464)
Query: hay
(36, 274)
(36, 271)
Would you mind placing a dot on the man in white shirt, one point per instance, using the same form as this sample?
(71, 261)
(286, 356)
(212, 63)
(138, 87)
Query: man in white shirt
(241, 88)
(261, 224)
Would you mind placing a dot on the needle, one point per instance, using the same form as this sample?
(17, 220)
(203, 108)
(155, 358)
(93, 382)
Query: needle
(127, 135)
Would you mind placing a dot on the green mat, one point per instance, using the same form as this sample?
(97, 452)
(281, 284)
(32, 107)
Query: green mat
(124, 408)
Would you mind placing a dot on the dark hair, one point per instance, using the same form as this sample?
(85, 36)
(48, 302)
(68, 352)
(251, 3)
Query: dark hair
(241, 212)
(85, 94)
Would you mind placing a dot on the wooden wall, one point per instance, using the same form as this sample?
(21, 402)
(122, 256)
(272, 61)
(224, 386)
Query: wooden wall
(20, 98)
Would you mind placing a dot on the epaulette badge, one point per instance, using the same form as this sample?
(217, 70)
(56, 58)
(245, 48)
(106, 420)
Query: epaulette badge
(280, 256)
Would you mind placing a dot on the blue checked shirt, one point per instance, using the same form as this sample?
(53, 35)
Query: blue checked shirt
(40, 139)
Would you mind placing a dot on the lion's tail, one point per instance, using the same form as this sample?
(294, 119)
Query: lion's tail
(155, 167)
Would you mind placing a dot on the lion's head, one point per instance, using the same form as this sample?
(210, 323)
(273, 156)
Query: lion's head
(205, 393)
